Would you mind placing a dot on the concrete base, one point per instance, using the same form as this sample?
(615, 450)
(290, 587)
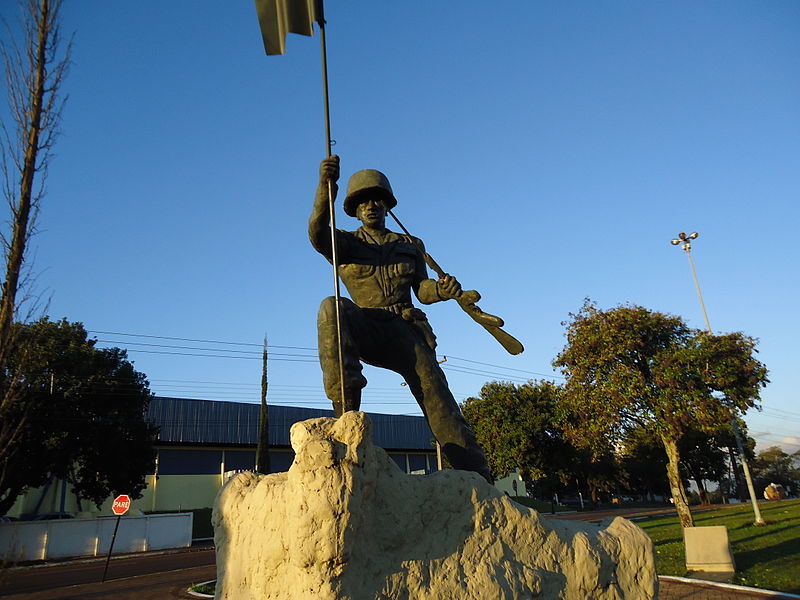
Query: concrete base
(708, 549)
(346, 524)
(714, 576)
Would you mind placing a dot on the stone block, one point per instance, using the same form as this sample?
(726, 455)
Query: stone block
(707, 549)
(346, 524)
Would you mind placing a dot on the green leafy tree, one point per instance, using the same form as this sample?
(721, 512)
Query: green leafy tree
(773, 465)
(630, 367)
(79, 415)
(597, 472)
(515, 426)
(644, 461)
(703, 456)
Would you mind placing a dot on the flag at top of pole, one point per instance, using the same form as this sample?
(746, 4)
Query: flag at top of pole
(279, 17)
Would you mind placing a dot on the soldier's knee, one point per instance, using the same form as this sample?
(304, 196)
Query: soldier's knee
(327, 310)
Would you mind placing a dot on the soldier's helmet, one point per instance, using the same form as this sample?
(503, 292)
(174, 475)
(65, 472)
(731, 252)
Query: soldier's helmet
(368, 180)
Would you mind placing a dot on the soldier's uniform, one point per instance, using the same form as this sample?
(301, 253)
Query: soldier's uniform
(383, 328)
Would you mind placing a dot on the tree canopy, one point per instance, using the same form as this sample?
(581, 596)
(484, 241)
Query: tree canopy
(515, 425)
(73, 411)
(630, 367)
(773, 465)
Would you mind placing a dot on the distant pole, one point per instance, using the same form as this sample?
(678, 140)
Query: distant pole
(110, 548)
(685, 241)
(262, 452)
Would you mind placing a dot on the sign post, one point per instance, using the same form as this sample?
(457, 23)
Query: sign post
(119, 507)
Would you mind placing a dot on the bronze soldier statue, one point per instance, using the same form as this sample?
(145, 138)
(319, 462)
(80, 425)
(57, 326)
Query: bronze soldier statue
(380, 326)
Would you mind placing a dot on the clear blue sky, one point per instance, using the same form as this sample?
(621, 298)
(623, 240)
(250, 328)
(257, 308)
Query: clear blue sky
(545, 151)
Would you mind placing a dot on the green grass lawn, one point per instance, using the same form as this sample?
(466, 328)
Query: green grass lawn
(766, 557)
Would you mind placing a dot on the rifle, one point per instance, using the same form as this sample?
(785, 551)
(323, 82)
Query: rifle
(467, 301)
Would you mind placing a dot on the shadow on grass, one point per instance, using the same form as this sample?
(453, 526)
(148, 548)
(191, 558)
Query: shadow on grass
(750, 558)
(762, 532)
(667, 541)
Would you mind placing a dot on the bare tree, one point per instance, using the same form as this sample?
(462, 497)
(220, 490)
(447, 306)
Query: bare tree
(35, 68)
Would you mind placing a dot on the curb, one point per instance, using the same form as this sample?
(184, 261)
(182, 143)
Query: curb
(200, 594)
(729, 586)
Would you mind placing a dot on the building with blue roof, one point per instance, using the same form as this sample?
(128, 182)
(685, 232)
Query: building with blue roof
(202, 442)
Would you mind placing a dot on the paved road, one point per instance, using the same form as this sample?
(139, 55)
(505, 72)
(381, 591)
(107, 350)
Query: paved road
(160, 586)
(151, 575)
(167, 576)
(593, 516)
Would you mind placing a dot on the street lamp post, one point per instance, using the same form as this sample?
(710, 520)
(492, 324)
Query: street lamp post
(685, 242)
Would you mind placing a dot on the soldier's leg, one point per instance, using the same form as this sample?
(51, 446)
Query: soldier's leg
(327, 344)
(428, 383)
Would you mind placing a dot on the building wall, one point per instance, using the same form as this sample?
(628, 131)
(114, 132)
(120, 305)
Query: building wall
(189, 478)
(48, 499)
(179, 492)
(186, 478)
(506, 485)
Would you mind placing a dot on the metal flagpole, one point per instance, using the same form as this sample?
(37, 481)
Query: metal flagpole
(334, 254)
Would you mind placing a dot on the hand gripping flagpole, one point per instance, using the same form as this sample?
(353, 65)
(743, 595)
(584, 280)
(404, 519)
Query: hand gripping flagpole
(334, 253)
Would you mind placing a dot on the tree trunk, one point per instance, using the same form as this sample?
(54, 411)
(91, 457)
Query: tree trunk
(737, 476)
(594, 492)
(675, 483)
(25, 202)
(701, 490)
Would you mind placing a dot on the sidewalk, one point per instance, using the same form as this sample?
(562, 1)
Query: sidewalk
(166, 576)
(680, 588)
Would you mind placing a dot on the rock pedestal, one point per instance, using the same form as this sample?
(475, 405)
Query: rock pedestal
(346, 524)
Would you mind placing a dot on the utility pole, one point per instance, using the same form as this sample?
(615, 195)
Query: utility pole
(685, 241)
(262, 450)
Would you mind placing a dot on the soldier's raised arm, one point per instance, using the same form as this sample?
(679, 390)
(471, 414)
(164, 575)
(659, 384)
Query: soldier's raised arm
(319, 222)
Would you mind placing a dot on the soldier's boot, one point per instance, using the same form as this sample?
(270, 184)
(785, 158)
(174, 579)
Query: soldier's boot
(352, 401)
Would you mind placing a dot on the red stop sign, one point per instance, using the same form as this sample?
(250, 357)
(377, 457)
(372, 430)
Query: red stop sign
(121, 504)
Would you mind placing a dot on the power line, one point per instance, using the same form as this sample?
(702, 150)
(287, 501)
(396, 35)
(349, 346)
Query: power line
(164, 337)
(780, 412)
(180, 347)
(205, 349)
(310, 359)
(476, 362)
(457, 369)
(462, 369)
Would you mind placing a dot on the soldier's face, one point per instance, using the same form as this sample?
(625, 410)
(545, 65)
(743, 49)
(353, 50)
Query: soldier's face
(371, 212)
